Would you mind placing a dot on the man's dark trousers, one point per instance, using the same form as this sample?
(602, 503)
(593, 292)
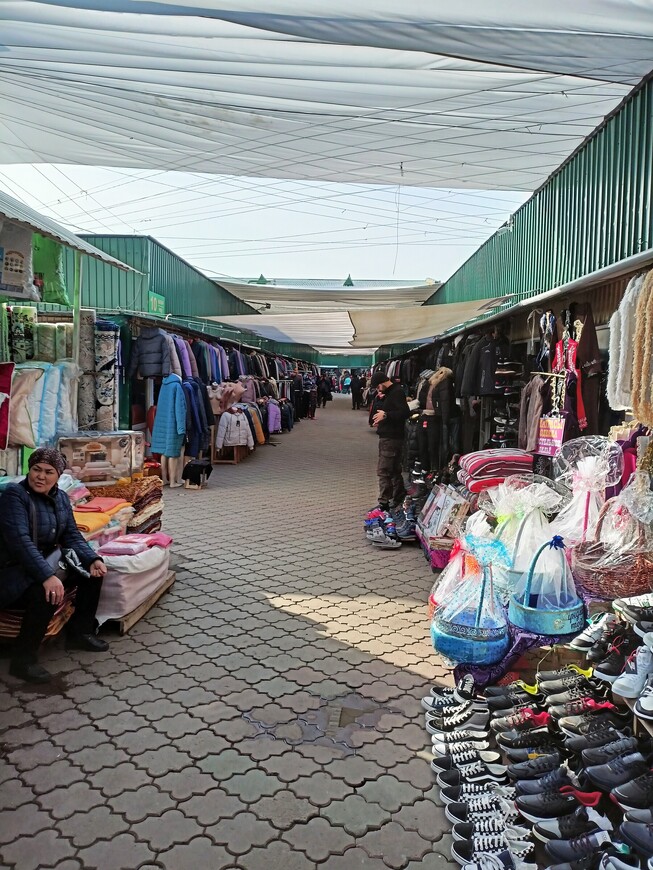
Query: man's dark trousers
(392, 489)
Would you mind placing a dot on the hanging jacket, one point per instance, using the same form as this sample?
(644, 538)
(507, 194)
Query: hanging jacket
(274, 417)
(150, 356)
(175, 365)
(234, 431)
(169, 428)
(183, 354)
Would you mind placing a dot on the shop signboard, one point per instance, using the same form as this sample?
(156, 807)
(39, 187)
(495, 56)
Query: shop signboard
(156, 303)
(551, 434)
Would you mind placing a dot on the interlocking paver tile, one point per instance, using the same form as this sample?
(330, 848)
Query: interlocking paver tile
(166, 830)
(199, 853)
(355, 814)
(355, 771)
(185, 783)
(94, 758)
(163, 760)
(123, 852)
(320, 789)
(242, 832)
(284, 809)
(226, 764)
(84, 828)
(114, 780)
(424, 817)
(212, 806)
(44, 849)
(395, 845)
(389, 792)
(137, 805)
(65, 801)
(276, 855)
(318, 839)
(22, 821)
(60, 773)
(355, 859)
(253, 785)
(179, 726)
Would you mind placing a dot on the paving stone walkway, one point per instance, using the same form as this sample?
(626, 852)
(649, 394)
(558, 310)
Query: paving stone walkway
(266, 713)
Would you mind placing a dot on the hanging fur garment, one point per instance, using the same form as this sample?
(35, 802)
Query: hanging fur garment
(642, 398)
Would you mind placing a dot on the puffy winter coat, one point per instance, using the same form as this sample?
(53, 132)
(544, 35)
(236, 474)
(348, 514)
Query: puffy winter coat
(234, 431)
(274, 417)
(170, 422)
(22, 561)
(150, 356)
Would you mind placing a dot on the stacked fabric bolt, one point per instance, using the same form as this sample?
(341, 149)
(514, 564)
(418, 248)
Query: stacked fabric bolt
(487, 468)
(148, 507)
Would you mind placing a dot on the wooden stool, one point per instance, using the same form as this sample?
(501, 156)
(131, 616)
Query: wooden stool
(238, 453)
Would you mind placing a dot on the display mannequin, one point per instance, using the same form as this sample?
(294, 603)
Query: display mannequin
(171, 470)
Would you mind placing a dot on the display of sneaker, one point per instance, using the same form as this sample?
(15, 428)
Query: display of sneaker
(645, 816)
(638, 670)
(520, 739)
(644, 705)
(434, 704)
(477, 771)
(616, 859)
(463, 756)
(554, 804)
(535, 768)
(594, 738)
(603, 754)
(480, 806)
(578, 725)
(636, 794)
(439, 748)
(552, 676)
(450, 739)
(587, 638)
(503, 713)
(499, 861)
(466, 851)
(579, 708)
(514, 698)
(612, 632)
(489, 825)
(553, 781)
(578, 847)
(524, 720)
(618, 771)
(468, 790)
(582, 821)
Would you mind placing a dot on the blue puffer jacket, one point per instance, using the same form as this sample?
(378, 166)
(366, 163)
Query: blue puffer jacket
(150, 356)
(169, 429)
(22, 561)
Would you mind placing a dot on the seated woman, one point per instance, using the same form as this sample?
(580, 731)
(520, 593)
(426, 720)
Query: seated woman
(36, 519)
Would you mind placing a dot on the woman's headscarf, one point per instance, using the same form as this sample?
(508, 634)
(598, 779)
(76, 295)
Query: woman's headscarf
(48, 456)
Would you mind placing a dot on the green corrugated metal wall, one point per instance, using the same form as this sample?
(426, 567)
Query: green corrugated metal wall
(362, 361)
(188, 293)
(596, 211)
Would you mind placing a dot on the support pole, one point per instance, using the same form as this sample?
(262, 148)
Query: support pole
(77, 323)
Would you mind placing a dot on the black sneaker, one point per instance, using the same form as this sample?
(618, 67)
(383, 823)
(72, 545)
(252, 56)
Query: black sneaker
(484, 805)
(476, 772)
(639, 836)
(567, 827)
(560, 673)
(636, 794)
(613, 665)
(523, 739)
(463, 755)
(587, 689)
(613, 632)
(579, 847)
(469, 851)
(465, 716)
(603, 754)
(643, 628)
(580, 725)
(461, 793)
(552, 781)
(514, 699)
(638, 610)
(575, 708)
(529, 753)
(593, 739)
(618, 771)
(535, 768)
(553, 804)
(555, 687)
(463, 691)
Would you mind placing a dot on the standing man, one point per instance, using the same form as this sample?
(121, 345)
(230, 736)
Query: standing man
(356, 392)
(390, 426)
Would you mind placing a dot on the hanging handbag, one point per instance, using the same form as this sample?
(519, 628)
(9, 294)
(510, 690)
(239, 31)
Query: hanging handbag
(550, 607)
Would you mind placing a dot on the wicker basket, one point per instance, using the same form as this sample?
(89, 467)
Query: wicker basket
(632, 576)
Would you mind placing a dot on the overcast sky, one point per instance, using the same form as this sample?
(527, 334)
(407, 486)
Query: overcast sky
(244, 227)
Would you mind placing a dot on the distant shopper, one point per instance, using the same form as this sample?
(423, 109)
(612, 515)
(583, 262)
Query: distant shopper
(346, 384)
(390, 424)
(356, 392)
(323, 391)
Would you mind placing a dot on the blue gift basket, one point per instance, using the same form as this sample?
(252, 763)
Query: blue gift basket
(548, 606)
(472, 628)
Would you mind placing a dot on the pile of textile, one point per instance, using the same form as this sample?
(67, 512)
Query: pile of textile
(148, 507)
(487, 468)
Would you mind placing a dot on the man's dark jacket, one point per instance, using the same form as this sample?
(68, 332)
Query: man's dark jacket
(397, 412)
(22, 562)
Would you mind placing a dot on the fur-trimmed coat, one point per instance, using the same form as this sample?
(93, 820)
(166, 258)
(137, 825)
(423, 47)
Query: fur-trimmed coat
(437, 394)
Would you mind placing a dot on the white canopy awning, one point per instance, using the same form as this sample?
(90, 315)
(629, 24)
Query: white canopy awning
(364, 330)
(313, 300)
(422, 92)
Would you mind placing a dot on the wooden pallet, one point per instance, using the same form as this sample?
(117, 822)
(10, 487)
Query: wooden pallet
(128, 621)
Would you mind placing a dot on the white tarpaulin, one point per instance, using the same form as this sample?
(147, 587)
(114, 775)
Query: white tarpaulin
(363, 329)
(294, 300)
(419, 92)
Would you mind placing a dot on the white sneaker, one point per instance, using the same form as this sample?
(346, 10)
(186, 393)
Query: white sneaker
(587, 638)
(630, 684)
(644, 706)
(645, 600)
